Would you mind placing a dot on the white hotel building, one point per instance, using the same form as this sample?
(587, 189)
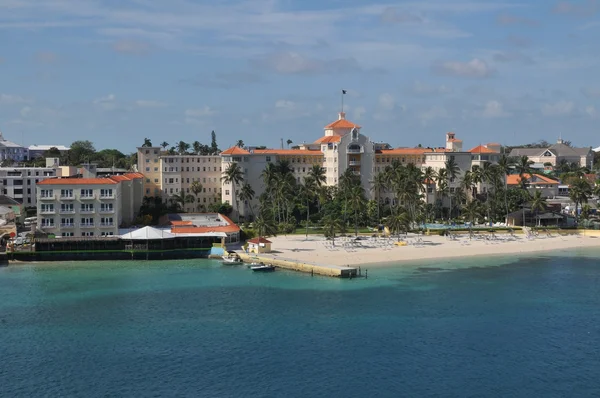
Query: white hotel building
(341, 147)
(85, 207)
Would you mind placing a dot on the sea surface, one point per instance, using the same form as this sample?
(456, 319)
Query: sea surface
(491, 327)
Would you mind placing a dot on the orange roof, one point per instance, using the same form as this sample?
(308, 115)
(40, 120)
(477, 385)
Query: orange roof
(120, 178)
(515, 179)
(288, 152)
(404, 151)
(235, 150)
(482, 149)
(259, 240)
(77, 181)
(328, 138)
(181, 223)
(342, 124)
(134, 175)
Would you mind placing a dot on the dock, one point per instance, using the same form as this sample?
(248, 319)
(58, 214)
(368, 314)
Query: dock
(313, 269)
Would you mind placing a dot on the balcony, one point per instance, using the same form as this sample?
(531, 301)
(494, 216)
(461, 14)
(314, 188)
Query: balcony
(67, 225)
(48, 211)
(355, 150)
(107, 224)
(106, 211)
(354, 163)
(87, 197)
(107, 196)
(48, 197)
(86, 225)
(47, 226)
(87, 211)
(67, 211)
(67, 197)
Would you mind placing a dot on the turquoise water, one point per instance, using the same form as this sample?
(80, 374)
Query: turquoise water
(480, 327)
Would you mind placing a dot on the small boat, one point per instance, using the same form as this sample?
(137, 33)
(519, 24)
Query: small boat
(262, 268)
(232, 260)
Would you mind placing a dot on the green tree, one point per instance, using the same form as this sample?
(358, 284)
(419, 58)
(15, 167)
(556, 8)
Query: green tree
(357, 203)
(452, 171)
(538, 203)
(164, 145)
(197, 147)
(246, 196)
(330, 226)
(233, 175)
(182, 147)
(81, 152)
(579, 192)
(239, 144)
(181, 199)
(399, 222)
(196, 189)
(214, 148)
(523, 167)
(147, 143)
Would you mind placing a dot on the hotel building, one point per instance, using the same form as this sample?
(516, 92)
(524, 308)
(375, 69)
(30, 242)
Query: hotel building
(341, 147)
(88, 206)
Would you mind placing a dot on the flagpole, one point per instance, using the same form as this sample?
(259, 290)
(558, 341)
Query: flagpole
(342, 100)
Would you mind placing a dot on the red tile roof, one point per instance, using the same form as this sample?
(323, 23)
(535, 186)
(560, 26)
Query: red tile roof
(515, 179)
(78, 181)
(288, 152)
(120, 178)
(328, 138)
(482, 149)
(259, 240)
(235, 150)
(342, 124)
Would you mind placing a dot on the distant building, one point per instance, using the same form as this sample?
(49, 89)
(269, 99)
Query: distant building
(20, 183)
(11, 151)
(548, 186)
(88, 207)
(557, 154)
(38, 151)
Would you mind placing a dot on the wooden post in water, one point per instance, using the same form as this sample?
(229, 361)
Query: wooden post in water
(366, 274)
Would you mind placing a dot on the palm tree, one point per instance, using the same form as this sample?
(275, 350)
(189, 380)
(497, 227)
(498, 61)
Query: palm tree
(164, 145)
(523, 167)
(357, 202)
(264, 224)
(452, 171)
(289, 142)
(504, 165)
(147, 143)
(317, 173)
(196, 188)
(472, 211)
(330, 226)
(377, 185)
(579, 192)
(429, 175)
(181, 199)
(399, 222)
(308, 194)
(246, 196)
(197, 147)
(239, 144)
(538, 203)
(233, 175)
(182, 147)
(442, 186)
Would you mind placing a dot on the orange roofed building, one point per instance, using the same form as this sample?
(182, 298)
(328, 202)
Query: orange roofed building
(341, 147)
(88, 207)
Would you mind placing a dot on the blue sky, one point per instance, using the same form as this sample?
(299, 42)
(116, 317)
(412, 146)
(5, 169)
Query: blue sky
(116, 71)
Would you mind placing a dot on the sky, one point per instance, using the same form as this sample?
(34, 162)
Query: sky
(117, 71)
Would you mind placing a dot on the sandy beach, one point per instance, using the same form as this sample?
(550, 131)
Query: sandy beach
(348, 252)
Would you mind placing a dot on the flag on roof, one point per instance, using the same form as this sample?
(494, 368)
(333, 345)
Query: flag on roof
(343, 91)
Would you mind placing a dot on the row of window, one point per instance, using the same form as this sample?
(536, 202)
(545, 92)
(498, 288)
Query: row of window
(176, 169)
(70, 207)
(83, 193)
(86, 234)
(84, 222)
(187, 160)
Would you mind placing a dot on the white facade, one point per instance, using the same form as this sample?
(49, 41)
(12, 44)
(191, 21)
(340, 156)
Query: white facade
(38, 151)
(85, 207)
(20, 183)
(11, 151)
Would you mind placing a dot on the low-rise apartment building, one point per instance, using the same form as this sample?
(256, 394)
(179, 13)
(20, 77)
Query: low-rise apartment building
(20, 183)
(85, 207)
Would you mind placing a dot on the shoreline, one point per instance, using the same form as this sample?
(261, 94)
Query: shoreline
(316, 251)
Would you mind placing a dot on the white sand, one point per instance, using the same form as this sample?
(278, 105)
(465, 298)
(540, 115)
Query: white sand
(313, 250)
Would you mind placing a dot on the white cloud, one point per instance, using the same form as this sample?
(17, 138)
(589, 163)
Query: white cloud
(285, 104)
(424, 89)
(475, 68)
(9, 99)
(359, 112)
(494, 109)
(107, 102)
(387, 102)
(560, 108)
(433, 113)
(26, 110)
(150, 104)
(591, 111)
(200, 112)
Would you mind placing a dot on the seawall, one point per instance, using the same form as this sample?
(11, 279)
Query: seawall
(316, 269)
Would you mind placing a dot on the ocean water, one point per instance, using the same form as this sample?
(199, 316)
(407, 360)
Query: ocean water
(494, 327)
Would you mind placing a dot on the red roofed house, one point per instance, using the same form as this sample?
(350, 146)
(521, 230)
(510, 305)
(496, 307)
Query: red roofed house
(259, 245)
(76, 207)
(548, 186)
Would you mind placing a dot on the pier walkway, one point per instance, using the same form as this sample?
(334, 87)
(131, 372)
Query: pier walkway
(311, 268)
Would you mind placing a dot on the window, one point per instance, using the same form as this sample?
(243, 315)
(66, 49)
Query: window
(66, 207)
(86, 193)
(106, 222)
(148, 169)
(87, 222)
(48, 222)
(106, 207)
(106, 233)
(66, 193)
(87, 208)
(45, 193)
(268, 158)
(87, 233)
(171, 180)
(106, 193)
(67, 234)
(67, 222)
(227, 192)
(147, 191)
(47, 208)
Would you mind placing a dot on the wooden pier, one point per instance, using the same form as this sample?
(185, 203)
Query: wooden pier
(313, 269)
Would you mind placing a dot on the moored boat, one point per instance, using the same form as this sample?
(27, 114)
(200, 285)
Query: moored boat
(262, 268)
(232, 260)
